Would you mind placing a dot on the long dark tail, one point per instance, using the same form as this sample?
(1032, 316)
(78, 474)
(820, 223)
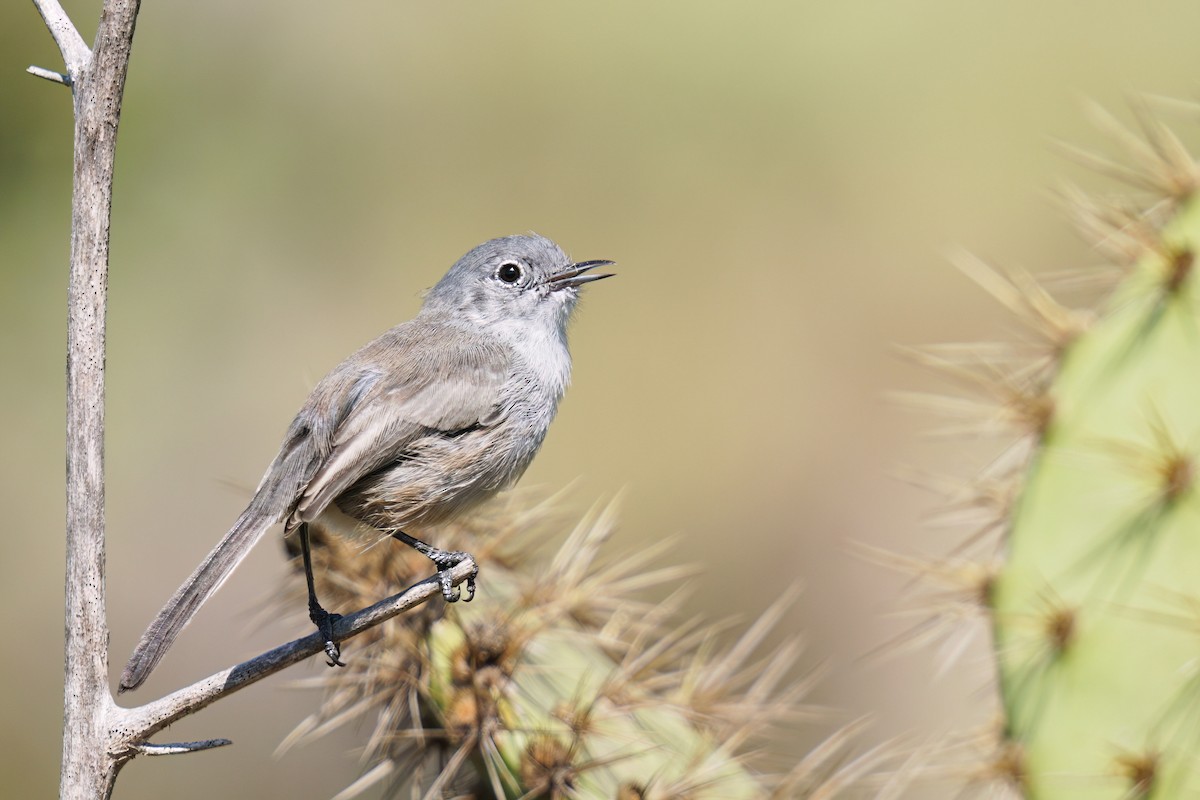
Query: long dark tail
(187, 600)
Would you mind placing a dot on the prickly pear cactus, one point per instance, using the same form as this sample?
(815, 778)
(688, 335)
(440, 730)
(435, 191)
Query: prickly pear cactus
(1092, 591)
(1097, 609)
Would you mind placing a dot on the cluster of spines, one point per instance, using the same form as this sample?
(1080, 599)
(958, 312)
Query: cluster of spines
(1043, 623)
(563, 683)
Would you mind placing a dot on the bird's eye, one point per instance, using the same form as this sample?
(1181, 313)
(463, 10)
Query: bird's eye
(509, 272)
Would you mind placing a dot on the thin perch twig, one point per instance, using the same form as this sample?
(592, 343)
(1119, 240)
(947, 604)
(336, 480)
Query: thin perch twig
(144, 721)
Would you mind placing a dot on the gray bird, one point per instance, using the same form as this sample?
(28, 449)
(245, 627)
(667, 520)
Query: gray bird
(424, 422)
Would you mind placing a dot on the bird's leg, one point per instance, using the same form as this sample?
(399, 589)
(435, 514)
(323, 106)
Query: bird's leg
(319, 616)
(444, 560)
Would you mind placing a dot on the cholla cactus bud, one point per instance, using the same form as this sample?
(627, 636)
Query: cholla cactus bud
(557, 681)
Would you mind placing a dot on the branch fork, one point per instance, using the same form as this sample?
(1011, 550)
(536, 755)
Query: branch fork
(77, 56)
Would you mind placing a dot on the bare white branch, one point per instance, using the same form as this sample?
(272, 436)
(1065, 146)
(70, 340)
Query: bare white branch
(89, 768)
(75, 52)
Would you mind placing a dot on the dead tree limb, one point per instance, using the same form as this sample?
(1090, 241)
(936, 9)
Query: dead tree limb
(99, 737)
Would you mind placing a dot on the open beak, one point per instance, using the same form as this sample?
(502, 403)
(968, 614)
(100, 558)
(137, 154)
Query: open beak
(574, 274)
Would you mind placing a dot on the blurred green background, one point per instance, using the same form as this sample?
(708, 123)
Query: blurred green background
(778, 180)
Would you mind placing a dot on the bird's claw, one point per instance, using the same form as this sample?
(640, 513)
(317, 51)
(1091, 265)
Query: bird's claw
(333, 654)
(445, 561)
(450, 592)
(325, 622)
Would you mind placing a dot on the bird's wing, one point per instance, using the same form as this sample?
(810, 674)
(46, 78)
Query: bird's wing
(410, 382)
(448, 385)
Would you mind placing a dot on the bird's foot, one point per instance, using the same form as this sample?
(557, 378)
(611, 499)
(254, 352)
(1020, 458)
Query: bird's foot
(445, 560)
(324, 622)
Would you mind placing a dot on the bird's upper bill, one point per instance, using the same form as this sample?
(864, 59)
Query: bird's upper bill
(574, 274)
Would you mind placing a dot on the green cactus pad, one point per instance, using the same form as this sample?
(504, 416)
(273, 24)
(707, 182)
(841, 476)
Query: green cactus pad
(1097, 611)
